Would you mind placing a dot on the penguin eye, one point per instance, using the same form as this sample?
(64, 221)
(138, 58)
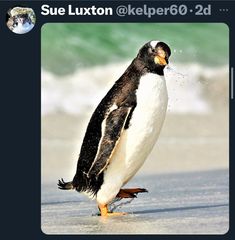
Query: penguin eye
(151, 50)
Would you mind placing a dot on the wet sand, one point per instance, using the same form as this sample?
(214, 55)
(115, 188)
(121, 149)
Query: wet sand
(182, 203)
(186, 175)
(186, 143)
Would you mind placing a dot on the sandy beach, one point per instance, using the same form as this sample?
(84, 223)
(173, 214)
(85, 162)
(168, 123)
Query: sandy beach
(180, 203)
(186, 175)
(187, 143)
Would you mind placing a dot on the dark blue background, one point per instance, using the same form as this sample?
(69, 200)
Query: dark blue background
(20, 116)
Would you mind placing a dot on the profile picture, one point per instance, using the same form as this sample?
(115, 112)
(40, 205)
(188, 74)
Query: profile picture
(20, 20)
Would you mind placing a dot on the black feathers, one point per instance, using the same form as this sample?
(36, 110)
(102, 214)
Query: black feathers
(64, 185)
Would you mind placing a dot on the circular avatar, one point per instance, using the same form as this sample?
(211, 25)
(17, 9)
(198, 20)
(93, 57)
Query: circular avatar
(20, 20)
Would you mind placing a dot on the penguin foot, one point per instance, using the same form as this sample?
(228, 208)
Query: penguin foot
(104, 212)
(130, 192)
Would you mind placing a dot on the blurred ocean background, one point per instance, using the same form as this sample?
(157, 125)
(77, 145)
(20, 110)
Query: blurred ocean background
(68, 47)
(81, 61)
(78, 59)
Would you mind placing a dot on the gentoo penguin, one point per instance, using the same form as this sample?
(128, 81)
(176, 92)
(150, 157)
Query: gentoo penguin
(123, 129)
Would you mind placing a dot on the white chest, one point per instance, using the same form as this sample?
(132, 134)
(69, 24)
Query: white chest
(151, 106)
(147, 120)
(138, 140)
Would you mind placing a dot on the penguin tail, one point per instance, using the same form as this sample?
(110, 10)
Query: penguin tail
(65, 185)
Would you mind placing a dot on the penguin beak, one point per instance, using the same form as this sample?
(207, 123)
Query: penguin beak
(160, 57)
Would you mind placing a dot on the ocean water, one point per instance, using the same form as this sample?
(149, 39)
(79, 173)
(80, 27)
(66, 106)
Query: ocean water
(81, 61)
(188, 88)
(67, 47)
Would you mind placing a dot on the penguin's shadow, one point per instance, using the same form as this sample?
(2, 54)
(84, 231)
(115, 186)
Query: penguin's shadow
(179, 209)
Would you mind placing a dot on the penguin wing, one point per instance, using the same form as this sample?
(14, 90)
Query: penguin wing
(112, 128)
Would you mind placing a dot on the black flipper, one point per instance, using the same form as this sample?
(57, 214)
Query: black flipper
(113, 126)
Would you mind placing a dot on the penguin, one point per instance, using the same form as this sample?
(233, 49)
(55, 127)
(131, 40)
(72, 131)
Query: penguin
(123, 130)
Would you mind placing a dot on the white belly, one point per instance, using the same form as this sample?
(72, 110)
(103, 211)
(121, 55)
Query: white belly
(138, 140)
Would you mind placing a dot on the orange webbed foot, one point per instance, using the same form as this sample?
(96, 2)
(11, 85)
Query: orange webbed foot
(104, 211)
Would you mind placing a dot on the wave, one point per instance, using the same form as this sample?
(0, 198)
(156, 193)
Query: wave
(81, 91)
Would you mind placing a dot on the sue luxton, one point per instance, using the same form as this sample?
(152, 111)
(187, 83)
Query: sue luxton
(93, 10)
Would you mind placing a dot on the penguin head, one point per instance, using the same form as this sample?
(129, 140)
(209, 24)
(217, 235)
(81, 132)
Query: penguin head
(154, 55)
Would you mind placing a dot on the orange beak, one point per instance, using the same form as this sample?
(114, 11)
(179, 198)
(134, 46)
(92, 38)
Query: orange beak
(160, 57)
